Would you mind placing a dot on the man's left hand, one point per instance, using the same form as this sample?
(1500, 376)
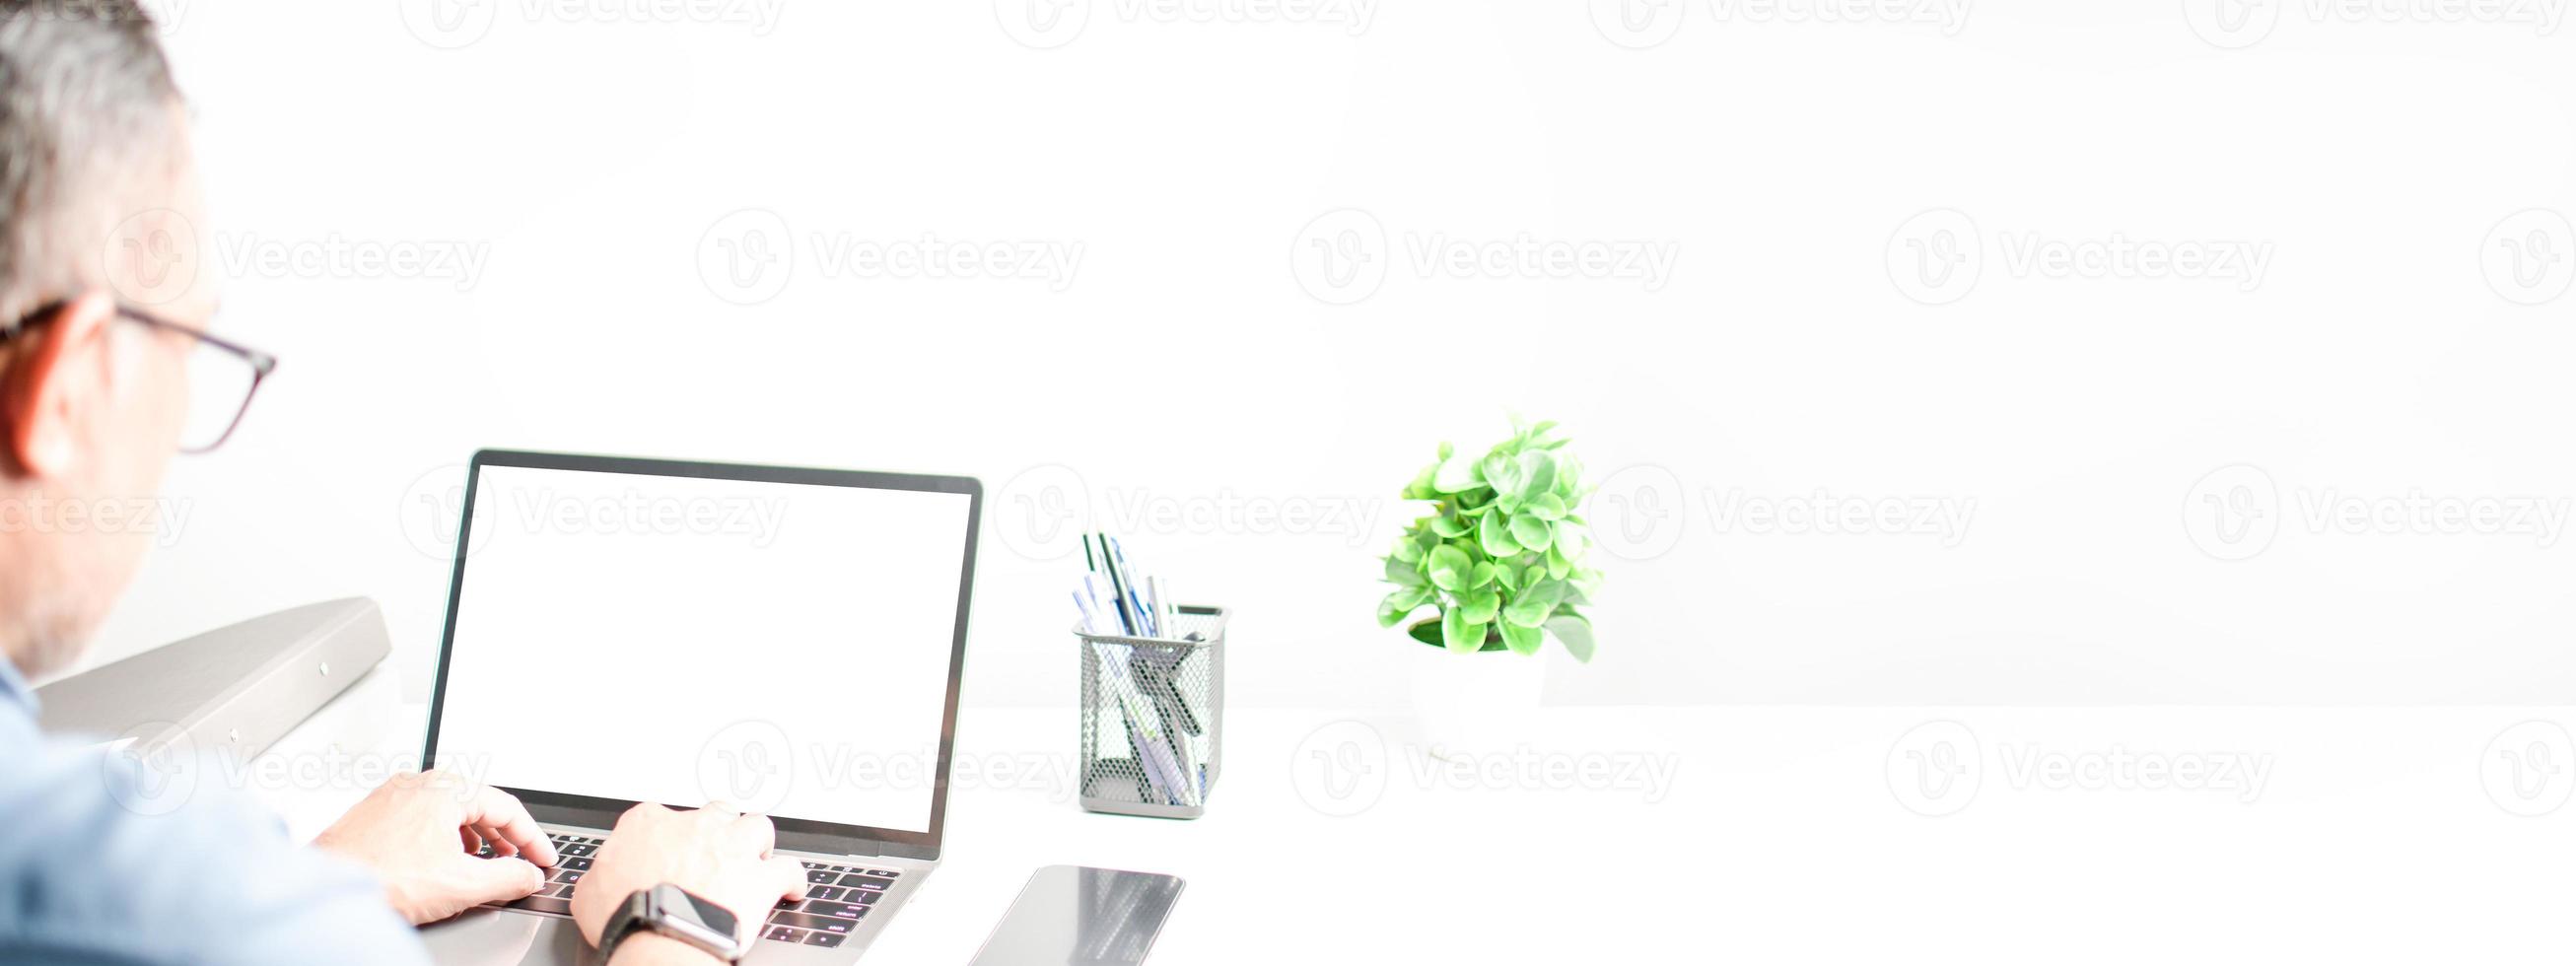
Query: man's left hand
(421, 832)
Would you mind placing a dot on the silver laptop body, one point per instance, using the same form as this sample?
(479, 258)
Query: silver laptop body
(853, 869)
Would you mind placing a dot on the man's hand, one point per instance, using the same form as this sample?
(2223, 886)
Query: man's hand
(716, 852)
(420, 832)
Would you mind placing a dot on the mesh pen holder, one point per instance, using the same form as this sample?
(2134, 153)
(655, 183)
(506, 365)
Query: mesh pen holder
(1152, 710)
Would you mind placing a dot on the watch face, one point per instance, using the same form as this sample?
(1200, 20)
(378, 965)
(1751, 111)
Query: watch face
(716, 918)
(697, 922)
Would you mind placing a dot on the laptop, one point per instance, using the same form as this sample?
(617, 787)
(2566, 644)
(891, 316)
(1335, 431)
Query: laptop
(785, 640)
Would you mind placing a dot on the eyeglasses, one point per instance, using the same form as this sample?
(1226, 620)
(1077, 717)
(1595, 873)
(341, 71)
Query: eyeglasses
(222, 375)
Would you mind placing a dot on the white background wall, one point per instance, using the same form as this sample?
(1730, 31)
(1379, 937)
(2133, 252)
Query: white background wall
(1196, 355)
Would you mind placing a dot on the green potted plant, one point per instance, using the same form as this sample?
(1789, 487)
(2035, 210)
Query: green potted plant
(1499, 561)
(1500, 557)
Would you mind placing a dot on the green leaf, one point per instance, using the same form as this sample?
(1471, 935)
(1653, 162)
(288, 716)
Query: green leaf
(1457, 474)
(1575, 633)
(1509, 576)
(1580, 585)
(1426, 630)
(1408, 550)
(1569, 478)
(1501, 473)
(1482, 575)
(1480, 605)
(1547, 506)
(1537, 474)
(1400, 572)
(1420, 488)
(1460, 635)
(1567, 539)
(1532, 605)
(1557, 565)
(1530, 532)
(1523, 641)
(1446, 448)
(1400, 604)
(1495, 535)
(1449, 568)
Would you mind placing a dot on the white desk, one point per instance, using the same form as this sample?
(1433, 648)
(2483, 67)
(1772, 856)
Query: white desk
(2372, 838)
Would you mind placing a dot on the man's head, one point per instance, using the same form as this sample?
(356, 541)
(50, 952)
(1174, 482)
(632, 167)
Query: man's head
(98, 207)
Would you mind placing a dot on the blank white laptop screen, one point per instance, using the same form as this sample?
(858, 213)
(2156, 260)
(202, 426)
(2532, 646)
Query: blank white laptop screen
(670, 639)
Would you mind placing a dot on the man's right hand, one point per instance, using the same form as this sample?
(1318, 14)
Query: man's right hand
(420, 833)
(716, 852)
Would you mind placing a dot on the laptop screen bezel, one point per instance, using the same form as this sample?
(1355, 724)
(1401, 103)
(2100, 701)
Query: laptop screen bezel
(804, 835)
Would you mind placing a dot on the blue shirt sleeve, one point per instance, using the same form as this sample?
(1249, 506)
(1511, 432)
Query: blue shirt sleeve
(104, 859)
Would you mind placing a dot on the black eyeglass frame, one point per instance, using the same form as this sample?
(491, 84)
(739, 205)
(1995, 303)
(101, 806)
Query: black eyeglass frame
(261, 363)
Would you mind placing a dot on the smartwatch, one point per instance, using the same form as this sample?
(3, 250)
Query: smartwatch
(677, 913)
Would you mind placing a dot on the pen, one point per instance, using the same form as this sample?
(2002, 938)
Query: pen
(1126, 618)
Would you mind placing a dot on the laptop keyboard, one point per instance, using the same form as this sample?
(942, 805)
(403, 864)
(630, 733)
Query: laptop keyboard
(837, 897)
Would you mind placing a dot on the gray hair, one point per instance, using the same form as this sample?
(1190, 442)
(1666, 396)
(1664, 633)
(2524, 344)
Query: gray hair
(88, 124)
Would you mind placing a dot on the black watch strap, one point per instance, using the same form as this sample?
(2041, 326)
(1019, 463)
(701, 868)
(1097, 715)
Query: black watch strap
(629, 917)
(672, 911)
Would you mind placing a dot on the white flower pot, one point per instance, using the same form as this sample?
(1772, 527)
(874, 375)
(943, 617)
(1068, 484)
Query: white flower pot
(1472, 704)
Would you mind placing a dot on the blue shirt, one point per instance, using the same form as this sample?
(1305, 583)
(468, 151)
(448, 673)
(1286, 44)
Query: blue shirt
(103, 860)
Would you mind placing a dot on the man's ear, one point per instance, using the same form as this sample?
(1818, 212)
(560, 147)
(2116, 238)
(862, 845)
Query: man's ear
(47, 394)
